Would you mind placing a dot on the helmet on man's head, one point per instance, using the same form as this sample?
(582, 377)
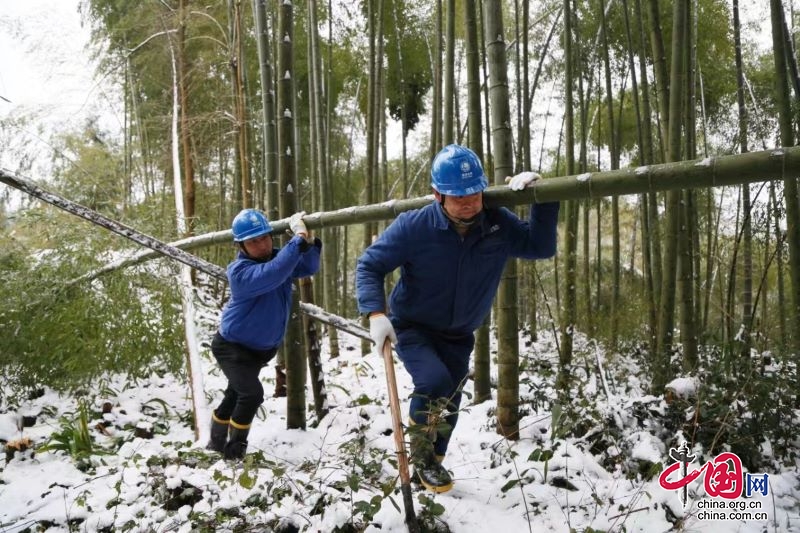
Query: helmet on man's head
(457, 171)
(249, 224)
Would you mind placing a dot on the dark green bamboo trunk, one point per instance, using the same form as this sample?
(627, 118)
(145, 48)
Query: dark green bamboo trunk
(790, 185)
(294, 354)
(507, 317)
(269, 200)
(747, 232)
(569, 313)
(449, 73)
(482, 374)
(686, 258)
(313, 351)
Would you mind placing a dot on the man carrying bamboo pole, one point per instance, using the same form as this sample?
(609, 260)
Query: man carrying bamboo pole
(254, 320)
(451, 254)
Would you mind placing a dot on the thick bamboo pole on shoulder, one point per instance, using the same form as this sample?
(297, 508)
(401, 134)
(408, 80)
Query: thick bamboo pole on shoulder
(720, 171)
(767, 165)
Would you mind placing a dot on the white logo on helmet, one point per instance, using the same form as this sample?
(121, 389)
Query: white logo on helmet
(466, 170)
(253, 219)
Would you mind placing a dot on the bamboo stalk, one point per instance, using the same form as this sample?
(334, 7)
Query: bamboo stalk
(313, 358)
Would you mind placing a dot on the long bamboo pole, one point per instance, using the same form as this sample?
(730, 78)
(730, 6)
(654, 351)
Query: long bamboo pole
(702, 173)
(720, 171)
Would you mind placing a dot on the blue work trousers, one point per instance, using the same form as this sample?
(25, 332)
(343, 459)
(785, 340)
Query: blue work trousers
(438, 365)
(241, 366)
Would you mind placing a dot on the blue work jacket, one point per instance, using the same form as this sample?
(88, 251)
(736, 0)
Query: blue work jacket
(447, 282)
(261, 294)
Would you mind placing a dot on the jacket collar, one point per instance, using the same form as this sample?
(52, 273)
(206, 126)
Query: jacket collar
(441, 222)
(241, 255)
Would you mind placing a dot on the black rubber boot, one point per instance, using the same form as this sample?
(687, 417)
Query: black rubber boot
(428, 470)
(219, 434)
(236, 446)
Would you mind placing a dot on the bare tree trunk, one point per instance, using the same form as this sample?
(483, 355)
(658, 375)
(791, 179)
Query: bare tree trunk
(320, 126)
(651, 227)
(779, 238)
(615, 157)
(436, 111)
(370, 163)
(403, 109)
(318, 388)
(185, 131)
(194, 363)
(240, 104)
(688, 226)
(488, 160)
(660, 69)
(650, 221)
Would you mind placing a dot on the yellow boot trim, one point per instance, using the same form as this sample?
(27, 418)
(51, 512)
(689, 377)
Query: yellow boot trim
(239, 426)
(440, 459)
(218, 420)
(437, 489)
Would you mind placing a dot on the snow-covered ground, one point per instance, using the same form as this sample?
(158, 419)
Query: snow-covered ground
(340, 474)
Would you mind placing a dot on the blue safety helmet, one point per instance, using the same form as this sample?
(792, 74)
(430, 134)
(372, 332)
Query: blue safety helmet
(249, 224)
(457, 171)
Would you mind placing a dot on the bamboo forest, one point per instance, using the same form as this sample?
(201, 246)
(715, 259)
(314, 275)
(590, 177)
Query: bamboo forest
(400, 265)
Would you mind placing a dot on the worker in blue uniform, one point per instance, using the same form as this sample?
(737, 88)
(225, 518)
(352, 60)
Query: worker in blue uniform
(451, 255)
(254, 319)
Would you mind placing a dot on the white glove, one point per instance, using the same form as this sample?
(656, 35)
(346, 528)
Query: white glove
(297, 226)
(380, 329)
(522, 180)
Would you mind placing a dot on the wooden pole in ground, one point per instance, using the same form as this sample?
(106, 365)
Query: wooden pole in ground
(399, 439)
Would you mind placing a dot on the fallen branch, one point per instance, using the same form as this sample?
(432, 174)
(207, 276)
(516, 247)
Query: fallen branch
(162, 248)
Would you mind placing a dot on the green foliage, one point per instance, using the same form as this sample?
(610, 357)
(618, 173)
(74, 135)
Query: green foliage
(542, 455)
(363, 470)
(67, 337)
(714, 52)
(15, 146)
(761, 78)
(739, 412)
(429, 514)
(409, 74)
(89, 169)
(73, 438)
